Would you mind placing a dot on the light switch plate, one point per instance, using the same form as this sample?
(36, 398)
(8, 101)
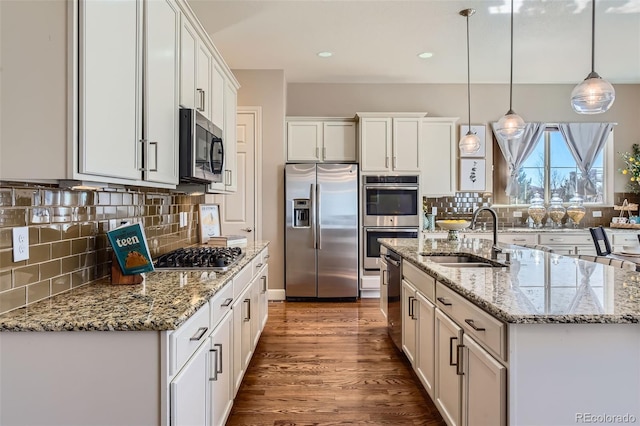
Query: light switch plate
(20, 243)
(597, 213)
(517, 214)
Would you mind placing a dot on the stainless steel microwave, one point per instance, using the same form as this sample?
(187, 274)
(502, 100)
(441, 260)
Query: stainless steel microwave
(201, 148)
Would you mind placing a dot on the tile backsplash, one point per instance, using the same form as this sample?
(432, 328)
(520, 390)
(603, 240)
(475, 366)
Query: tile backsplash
(463, 204)
(68, 246)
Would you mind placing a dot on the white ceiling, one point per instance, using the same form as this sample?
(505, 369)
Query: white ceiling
(378, 41)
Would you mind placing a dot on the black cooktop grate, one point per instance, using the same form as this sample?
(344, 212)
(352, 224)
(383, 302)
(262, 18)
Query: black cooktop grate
(209, 258)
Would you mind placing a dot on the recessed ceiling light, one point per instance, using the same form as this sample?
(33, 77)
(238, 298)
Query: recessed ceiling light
(325, 54)
(425, 55)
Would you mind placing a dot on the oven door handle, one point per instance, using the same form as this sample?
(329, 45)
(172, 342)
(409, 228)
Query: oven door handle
(410, 188)
(397, 230)
(392, 261)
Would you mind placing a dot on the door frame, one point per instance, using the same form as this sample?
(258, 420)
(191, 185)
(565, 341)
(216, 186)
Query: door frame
(256, 112)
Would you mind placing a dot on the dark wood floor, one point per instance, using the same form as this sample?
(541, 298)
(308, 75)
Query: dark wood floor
(330, 364)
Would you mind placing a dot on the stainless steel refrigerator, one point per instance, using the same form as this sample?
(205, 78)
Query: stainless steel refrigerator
(321, 231)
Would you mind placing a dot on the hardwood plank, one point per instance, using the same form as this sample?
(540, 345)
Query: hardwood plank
(330, 364)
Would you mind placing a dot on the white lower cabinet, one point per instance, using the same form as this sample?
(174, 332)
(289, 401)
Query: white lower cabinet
(409, 321)
(484, 386)
(448, 392)
(189, 391)
(425, 354)
(241, 336)
(263, 297)
(220, 373)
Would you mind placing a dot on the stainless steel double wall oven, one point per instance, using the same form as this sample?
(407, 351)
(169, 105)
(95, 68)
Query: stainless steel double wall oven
(391, 209)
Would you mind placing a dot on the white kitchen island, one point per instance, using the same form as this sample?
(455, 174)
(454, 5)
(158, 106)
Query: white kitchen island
(548, 340)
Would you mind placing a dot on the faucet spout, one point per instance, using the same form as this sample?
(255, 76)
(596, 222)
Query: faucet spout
(494, 249)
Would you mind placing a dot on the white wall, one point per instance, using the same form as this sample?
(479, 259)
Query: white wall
(267, 88)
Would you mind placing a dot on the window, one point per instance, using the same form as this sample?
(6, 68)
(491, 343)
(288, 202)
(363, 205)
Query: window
(551, 169)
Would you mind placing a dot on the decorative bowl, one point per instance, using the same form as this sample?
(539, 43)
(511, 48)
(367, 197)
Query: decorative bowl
(453, 225)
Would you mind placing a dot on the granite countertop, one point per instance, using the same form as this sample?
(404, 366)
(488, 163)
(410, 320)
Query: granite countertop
(537, 287)
(164, 301)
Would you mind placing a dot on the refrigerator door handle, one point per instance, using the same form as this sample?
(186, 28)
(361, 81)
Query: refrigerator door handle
(313, 215)
(318, 217)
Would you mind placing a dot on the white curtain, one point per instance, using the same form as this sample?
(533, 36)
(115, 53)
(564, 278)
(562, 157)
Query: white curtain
(516, 151)
(585, 141)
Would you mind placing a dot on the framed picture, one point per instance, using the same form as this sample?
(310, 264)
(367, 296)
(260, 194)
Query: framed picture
(209, 221)
(472, 174)
(480, 131)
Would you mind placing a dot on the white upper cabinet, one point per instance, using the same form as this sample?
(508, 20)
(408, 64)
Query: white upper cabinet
(218, 97)
(111, 115)
(438, 156)
(188, 60)
(110, 127)
(203, 80)
(229, 182)
(390, 142)
(321, 140)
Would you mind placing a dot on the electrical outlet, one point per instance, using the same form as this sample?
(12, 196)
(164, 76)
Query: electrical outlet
(597, 213)
(20, 244)
(183, 219)
(517, 214)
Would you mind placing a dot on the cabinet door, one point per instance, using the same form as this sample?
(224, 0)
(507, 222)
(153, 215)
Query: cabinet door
(189, 391)
(438, 159)
(375, 144)
(409, 320)
(203, 81)
(448, 390)
(188, 54)
(220, 375)
(425, 356)
(484, 384)
(254, 314)
(242, 343)
(263, 298)
(231, 139)
(304, 140)
(339, 142)
(110, 89)
(161, 91)
(384, 287)
(406, 140)
(218, 97)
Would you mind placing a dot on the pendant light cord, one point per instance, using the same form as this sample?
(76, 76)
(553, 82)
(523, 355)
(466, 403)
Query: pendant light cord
(511, 76)
(468, 75)
(593, 35)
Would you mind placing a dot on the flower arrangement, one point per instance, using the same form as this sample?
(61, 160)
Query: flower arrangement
(632, 168)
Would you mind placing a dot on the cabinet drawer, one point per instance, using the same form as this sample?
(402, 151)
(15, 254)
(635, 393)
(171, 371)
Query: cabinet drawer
(221, 304)
(241, 280)
(259, 261)
(185, 340)
(484, 328)
(423, 282)
(626, 239)
(551, 238)
(519, 238)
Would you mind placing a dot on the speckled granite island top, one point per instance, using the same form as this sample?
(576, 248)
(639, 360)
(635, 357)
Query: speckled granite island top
(537, 287)
(163, 302)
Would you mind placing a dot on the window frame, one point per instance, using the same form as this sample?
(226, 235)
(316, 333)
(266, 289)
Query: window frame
(500, 170)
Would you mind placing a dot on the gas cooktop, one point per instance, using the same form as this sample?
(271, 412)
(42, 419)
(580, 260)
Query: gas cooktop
(217, 259)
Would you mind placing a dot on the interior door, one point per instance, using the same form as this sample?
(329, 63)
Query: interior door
(238, 214)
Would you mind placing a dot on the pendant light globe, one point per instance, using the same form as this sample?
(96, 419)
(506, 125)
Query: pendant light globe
(511, 125)
(470, 143)
(594, 95)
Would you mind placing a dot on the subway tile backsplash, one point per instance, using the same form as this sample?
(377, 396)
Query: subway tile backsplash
(463, 204)
(68, 245)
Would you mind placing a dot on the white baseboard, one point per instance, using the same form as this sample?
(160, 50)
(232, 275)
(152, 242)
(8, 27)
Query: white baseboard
(276, 294)
(369, 294)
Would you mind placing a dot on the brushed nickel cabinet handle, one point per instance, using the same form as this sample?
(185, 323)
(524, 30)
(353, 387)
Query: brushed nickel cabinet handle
(460, 356)
(451, 339)
(219, 364)
(227, 302)
(473, 325)
(201, 332)
(155, 145)
(215, 365)
(443, 301)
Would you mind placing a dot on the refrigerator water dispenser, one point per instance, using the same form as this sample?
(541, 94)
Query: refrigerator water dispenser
(301, 208)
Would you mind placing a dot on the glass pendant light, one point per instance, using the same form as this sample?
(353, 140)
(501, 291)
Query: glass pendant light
(594, 95)
(469, 143)
(510, 125)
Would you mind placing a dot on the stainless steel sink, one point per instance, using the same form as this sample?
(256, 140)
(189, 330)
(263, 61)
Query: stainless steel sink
(463, 261)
